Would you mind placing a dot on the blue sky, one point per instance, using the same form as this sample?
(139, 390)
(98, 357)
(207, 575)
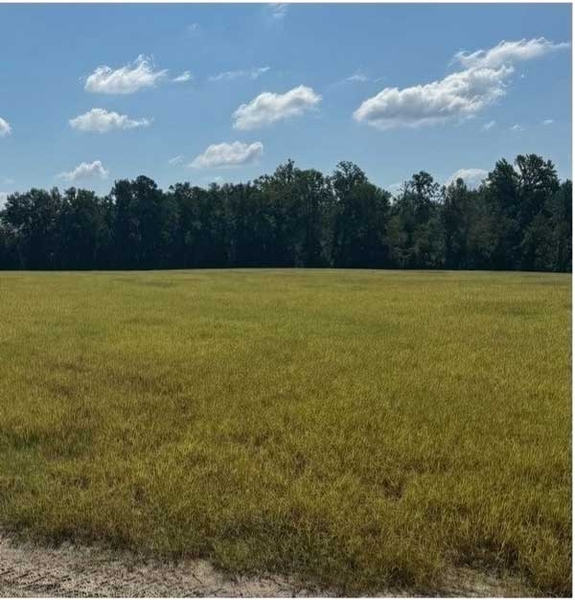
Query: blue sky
(94, 93)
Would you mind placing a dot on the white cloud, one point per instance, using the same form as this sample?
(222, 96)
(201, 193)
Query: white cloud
(193, 28)
(548, 122)
(458, 95)
(472, 177)
(185, 76)
(102, 121)
(3, 198)
(279, 10)
(125, 80)
(394, 188)
(176, 160)
(517, 127)
(5, 128)
(268, 108)
(253, 73)
(228, 155)
(86, 171)
(357, 77)
(489, 125)
(219, 180)
(506, 53)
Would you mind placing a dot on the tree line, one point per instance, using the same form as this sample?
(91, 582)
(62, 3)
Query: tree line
(519, 218)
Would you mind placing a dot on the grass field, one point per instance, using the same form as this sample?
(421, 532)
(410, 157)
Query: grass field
(360, 428)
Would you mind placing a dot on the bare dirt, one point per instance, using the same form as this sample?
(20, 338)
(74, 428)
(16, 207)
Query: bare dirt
(89, 571)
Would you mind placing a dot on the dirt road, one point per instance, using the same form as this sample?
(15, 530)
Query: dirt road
(80, 571)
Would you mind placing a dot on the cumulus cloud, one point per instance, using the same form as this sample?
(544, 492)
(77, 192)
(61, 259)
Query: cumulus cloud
(472, 177)
(176, 160)
(268, 108)
(459, 95)
(228, 155)
(517, 127)
(548, 122)
(489, 125)
(125, 80)
(86, 171)
(508, 52)
(241, 73)
(185, 76)
(5, 128)
(102, 121)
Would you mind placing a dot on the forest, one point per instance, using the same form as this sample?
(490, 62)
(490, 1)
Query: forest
(519, 218)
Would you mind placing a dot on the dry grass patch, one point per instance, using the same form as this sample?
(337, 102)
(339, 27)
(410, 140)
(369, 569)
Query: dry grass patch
(365, 429)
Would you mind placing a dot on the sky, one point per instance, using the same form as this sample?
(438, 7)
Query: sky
(226, 92)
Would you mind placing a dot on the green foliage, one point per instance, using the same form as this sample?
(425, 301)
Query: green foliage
(520, 219)
(364, 428)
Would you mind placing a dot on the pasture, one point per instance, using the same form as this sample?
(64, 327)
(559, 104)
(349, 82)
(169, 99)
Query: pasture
(359, 428)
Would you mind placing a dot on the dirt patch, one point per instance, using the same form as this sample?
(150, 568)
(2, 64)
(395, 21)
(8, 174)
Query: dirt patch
(81, 571)
(472, 583)
(73, 570)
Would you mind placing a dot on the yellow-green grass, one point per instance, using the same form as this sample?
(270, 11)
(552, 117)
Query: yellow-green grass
(360, 428)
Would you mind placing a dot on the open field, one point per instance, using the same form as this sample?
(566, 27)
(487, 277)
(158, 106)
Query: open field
(363, 429)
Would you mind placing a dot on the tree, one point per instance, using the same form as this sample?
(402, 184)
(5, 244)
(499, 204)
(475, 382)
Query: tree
(145, 220)
(361, 220)
(502, 194)
(456, 219)
(249, 232)
(560, 209)
(519, 218)
(33, 219)
(84, 230)
(417, 236)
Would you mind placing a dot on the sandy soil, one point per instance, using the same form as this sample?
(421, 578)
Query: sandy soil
(80, 571)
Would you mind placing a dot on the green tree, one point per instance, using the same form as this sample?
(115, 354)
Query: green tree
(417, 236)
(84, 230)
(33, 219)
(361, 220)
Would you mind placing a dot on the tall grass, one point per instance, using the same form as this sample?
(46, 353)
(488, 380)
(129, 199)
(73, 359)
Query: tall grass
(360, 428)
